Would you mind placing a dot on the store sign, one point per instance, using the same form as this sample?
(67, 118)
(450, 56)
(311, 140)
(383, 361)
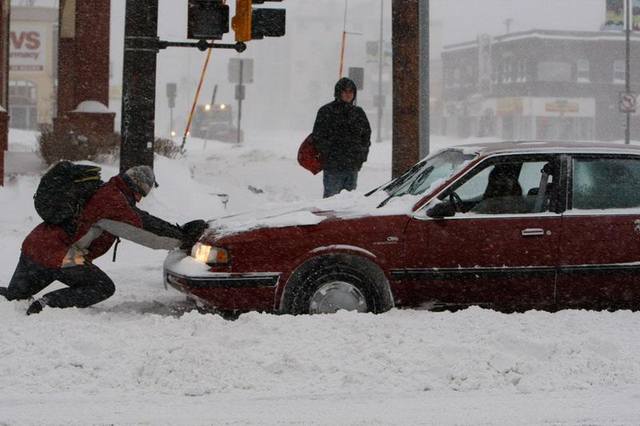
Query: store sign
(562, 106)
(507, 106)
(27, 49)
(614, 20)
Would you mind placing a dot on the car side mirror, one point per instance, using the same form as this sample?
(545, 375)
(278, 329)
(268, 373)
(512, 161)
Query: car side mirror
(441, 210)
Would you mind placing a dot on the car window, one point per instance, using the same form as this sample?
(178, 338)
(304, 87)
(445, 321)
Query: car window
(513, 186)
(475, 187)
(605, 183)
(530, 176)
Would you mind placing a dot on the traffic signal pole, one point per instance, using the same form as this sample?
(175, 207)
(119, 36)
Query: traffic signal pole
(208, 20)
(139, 83)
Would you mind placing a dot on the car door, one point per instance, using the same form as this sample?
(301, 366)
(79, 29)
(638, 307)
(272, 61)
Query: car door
(489, 254)
(600, 243)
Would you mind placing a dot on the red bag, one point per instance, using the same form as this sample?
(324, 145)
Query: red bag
(309, 157)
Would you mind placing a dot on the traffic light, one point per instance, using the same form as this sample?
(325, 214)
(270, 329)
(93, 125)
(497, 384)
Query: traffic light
(207, 19)
(255, 24)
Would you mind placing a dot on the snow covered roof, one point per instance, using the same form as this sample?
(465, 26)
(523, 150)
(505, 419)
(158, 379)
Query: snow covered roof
(548, 35)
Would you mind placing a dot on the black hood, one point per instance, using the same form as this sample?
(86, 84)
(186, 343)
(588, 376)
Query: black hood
(345, 83)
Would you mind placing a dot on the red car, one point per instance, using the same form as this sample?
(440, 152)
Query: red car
(511, 226)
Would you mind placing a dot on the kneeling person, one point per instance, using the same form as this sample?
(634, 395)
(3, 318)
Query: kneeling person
(50, 253)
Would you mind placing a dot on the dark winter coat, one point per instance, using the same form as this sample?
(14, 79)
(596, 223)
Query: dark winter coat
(108, 214)
(342, 133)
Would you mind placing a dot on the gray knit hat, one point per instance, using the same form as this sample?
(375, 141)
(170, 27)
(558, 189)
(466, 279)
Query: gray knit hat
(142, 179)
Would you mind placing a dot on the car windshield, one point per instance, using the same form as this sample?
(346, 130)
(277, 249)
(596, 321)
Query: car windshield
(418, 179)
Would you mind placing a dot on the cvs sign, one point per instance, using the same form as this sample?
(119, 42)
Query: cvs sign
(26, 48)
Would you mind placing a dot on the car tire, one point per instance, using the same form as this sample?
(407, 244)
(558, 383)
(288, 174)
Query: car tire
(337, 282)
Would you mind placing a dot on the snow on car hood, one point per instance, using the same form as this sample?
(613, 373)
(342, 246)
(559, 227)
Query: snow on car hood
(346, 205)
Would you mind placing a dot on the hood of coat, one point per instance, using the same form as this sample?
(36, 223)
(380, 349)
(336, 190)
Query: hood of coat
(120, 182)
(343, 84)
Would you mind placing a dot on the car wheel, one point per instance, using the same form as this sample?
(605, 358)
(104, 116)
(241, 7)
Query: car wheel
(328, 288)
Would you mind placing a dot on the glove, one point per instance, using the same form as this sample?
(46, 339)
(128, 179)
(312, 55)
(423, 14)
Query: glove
(36, 307)
(192, 231)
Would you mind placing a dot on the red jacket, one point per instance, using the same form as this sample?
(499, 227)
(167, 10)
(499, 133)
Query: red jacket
(49, 244)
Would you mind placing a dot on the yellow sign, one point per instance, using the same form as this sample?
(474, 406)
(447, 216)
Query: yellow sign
(506, 106)
(562, 107)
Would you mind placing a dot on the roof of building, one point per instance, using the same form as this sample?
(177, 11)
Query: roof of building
(548, 35)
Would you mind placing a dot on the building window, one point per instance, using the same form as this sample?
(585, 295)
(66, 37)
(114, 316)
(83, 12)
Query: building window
(21, 91)
(507, 69)
(23, 100)
(554, 71)
(583, 75)
(494, 75)
(456, 77)
(619, 74)
(522, 71)
(468, 76)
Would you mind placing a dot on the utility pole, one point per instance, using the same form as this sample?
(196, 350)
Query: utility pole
(507, 24)
(406, 85)
(425, 88)
(380, 69)
(240, 97)
(139, 83)
(628, 28)
(344, 38)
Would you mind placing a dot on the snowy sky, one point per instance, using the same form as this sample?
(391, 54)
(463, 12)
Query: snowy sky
(458, 20)
(295, 74)
(463, 19)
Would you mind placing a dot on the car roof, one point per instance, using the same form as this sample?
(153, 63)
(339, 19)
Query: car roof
(518, 147)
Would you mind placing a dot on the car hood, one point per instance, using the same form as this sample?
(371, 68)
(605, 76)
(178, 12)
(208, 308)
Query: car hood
(346, 205)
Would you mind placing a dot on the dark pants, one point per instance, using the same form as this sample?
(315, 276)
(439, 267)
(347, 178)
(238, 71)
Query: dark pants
(87, 284)
(335, 181)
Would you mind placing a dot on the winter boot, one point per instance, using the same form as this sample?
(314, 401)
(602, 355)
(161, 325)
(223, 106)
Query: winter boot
(36, 307)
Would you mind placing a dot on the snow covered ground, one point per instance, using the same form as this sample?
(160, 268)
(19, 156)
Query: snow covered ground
(138, 359)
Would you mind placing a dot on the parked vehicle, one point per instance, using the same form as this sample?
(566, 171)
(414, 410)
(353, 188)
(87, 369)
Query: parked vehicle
(215, 122)
(510, 226)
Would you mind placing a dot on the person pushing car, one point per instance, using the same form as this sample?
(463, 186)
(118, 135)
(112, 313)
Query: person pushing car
(53, 252)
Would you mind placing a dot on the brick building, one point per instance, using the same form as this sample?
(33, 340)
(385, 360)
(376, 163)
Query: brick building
(539, 84)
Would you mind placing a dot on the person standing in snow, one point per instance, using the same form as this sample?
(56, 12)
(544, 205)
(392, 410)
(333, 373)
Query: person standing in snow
(342, 136)
(50, 253)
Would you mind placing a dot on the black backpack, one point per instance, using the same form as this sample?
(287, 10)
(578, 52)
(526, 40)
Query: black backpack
(64, 190)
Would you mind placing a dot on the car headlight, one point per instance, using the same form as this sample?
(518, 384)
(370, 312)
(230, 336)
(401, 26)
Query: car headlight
(210, 255)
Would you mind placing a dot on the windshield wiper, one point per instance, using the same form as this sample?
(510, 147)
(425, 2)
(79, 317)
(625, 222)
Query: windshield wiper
(402, 179)
(420, 180)
(425, 174)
